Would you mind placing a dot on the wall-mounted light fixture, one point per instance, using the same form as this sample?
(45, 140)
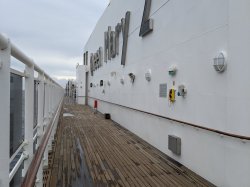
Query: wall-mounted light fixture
(132, 77)
(172, 70)
(113, 74)
(122, 80)
(220, 62)
(182, 90)
(148, 75)
(1, 64)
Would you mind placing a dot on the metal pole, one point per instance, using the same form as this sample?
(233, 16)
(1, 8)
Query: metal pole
(4, 112)
(40, 107)
(46, 107)
(29, 115)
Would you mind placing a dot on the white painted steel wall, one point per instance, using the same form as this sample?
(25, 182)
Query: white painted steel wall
(189, 34)
(80, 82)
(47, 105)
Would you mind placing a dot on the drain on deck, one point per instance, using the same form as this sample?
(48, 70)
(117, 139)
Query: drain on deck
(68, 115)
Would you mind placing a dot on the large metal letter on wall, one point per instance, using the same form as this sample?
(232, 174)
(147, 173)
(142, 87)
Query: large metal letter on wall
(146, 24)
(125, 30)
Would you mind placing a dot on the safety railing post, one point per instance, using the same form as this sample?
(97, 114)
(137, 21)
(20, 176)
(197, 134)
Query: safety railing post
(50, 100)
(39, 180)
(40, 107)
(29, 115)
(47, 117)
(46, 102)
(53, 98)
(4, 112)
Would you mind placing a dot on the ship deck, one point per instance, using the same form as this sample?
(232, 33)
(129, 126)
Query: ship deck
(89, 150)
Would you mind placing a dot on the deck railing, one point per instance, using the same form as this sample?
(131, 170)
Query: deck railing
(43, 93)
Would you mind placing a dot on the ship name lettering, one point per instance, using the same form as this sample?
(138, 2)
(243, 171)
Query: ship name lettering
(146, 23)
(111, 45)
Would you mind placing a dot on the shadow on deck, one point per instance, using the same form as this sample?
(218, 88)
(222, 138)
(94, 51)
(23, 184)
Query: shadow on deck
(91, 151)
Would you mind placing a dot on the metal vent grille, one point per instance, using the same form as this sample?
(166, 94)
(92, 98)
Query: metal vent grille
(163, 90)
(174, 144)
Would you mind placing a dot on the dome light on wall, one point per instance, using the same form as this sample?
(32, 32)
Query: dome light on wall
(122, 80)
(172, 70)
(220, 63)
(148, 75)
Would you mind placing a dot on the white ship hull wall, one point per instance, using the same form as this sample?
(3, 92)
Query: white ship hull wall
(221, 160)
(81, 83)
(189, 34)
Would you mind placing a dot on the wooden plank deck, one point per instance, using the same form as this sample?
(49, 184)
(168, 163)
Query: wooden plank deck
(92, 151)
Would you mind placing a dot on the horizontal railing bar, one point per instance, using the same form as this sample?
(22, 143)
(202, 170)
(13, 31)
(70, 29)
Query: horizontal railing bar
(35, 137)
(17, 166)
(17, 72)
(15, 52)
(36, 127)
(19, 55)
(3, 42)
(17, 151)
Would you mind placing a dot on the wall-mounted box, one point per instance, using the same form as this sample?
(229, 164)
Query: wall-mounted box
(163, 90)
(174, 144)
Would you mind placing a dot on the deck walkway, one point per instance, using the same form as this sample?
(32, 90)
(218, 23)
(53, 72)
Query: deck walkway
(91, 151)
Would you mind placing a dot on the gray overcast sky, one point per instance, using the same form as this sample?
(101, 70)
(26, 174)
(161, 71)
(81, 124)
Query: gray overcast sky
(52, 32)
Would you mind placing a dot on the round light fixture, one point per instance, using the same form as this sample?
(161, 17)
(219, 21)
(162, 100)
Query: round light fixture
(220, 63)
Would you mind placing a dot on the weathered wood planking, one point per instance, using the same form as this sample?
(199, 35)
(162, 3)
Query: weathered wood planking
(92, 151)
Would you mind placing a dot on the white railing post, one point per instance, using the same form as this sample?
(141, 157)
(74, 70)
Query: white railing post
(46, 115)
(52, 98)
(41, 103)
(5, 51)
(46, 102)
(49, 101)
(40, 107)
(29, 115)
